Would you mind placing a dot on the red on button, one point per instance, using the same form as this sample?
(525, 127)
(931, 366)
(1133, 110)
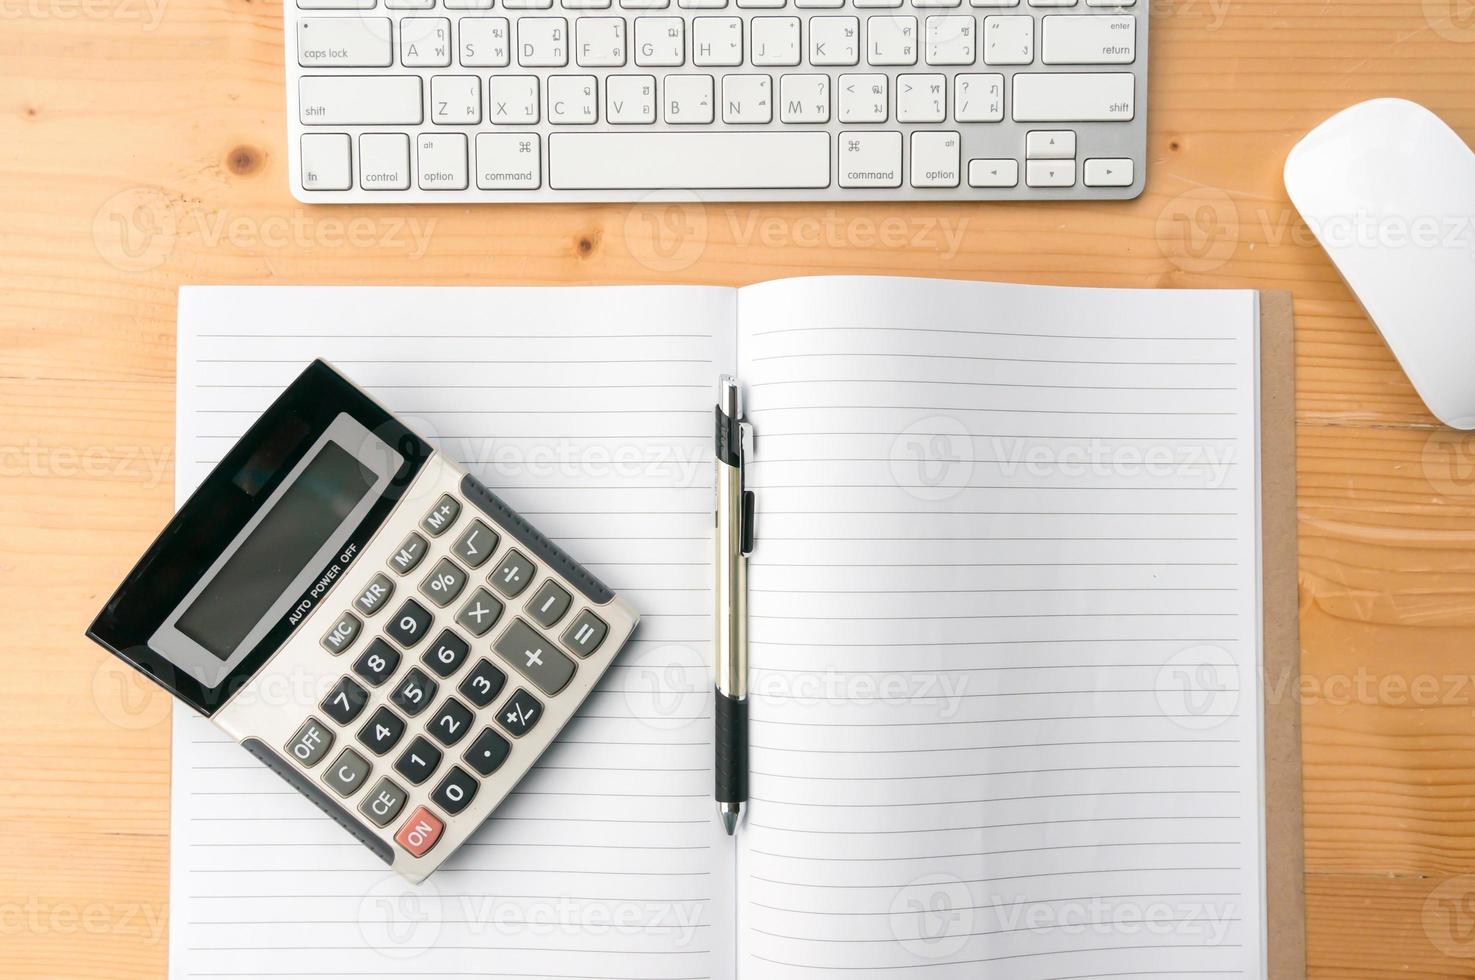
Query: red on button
(419, 833)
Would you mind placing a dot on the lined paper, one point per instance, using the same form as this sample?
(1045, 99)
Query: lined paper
(590, 412)
(1004, 630)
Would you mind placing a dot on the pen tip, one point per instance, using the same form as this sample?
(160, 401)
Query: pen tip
(731, 813)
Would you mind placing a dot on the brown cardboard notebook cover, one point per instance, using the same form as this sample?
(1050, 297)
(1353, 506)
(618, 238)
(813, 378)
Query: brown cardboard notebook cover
(1284, 877)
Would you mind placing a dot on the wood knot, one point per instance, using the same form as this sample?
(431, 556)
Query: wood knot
(585, 246)
(243, 160)
(1175, 145)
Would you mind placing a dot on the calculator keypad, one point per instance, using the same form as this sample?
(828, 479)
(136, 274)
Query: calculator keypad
(452, 696)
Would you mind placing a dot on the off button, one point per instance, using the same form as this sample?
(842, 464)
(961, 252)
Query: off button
(419, 833)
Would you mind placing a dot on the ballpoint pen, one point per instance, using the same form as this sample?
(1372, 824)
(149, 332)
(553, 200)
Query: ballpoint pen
(733, 525)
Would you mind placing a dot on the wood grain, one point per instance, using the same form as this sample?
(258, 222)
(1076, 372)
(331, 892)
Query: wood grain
(142, 148)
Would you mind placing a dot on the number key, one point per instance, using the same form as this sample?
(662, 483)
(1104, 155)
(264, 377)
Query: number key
(448, 654)
(345, 701)
(409, 624)
(382, 732)
(378, 663)
(418, 761)
(451, 722)
(414, 692)
(455, 792)
(483, 683)
(488, 752)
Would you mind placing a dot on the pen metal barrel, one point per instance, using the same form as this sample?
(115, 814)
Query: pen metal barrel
(730, 637)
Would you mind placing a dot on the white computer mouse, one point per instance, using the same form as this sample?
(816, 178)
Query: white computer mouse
(1389, 191)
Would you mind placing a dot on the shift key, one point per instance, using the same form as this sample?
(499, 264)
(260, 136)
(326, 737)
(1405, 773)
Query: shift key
(360, 100)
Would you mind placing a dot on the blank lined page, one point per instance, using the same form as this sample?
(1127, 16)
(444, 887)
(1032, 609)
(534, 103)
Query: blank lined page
(590, 412)
(1005, 633)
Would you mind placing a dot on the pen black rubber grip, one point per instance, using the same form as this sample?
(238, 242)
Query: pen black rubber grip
(731, 754)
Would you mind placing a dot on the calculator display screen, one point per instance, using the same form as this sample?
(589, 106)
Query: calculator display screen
(307, 514)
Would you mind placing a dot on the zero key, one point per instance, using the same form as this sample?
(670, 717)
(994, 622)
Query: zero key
(419, 833)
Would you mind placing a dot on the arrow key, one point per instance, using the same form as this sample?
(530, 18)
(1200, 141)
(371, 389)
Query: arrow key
(1050, 173)
(1105, 172)
(993, 173)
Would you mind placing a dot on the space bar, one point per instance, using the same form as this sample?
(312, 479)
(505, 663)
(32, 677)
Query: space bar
(652, 161)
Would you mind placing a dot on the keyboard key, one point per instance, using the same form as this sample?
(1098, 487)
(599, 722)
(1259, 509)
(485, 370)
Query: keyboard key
(377, 664)
(716, 42)
(660, 42)
(451, 723)
(344, 631)
(689, 100)
(535, 657)
(488, 752)
(311, 742)
(863, 98)
(408, 626)
(804, 99)
(414, 693)
(508, 161)
(455, 100)
(951, 40)
(1109, 173)
(444, 583)
(521, 712)
(374, 595)
(542, 42)
(993, 173)
(1089, 40)
(483, 684)
(440, 518)
(978, 98)
(347, 773)
(456, 791)
(1009, 41)
(419, 833)
(344, 703)
(360, 100)
(447, 655)
(599, 42)
(747, 100)
(585, 633)
(870, 159)
(892, 40)
(549, 603)
(383, 803)
(775, 41)
(418, 762)
(326, 162)
(573, 100)
(335, 4)
(1050, 144)
(1074, 97)
(382, 731)
(442, 161)
(424, 42)
(1050, 173)
(485, 42)
(630, 100)
(514, 574)
(936, 159)
(344, 42)
(480, 613)
(921, 98)
(834, 41)
(512, 100)
(635, 161)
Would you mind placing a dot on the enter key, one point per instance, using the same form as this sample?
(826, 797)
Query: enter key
(1089, 40)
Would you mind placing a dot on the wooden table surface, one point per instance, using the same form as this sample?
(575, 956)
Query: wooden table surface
(142, 148)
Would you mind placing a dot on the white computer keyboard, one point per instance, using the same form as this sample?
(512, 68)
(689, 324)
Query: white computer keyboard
(619, 100)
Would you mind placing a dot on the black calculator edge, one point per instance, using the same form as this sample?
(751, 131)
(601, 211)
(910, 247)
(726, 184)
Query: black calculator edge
(322, 800)
(319, 392)
(494, 507)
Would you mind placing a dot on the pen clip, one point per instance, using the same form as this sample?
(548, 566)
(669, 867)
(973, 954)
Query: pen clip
(749, 502)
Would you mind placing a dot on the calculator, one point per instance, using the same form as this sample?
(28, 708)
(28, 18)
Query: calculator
(368, 620)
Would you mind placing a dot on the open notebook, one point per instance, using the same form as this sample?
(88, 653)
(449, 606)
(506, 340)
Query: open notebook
(1006, 636)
